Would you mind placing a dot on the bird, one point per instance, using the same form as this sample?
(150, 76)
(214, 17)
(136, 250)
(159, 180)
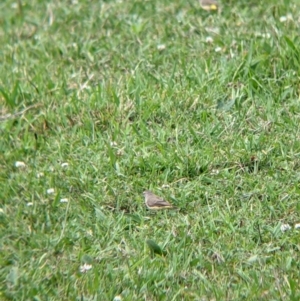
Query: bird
(153, 202)
(209, 4)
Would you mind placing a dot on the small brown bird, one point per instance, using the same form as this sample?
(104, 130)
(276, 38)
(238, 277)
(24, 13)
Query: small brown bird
(153, 202)
(209, 4)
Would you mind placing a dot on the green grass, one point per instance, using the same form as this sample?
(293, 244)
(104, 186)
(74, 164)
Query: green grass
(133, 96)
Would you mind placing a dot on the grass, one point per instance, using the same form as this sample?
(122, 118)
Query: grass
(201, 108)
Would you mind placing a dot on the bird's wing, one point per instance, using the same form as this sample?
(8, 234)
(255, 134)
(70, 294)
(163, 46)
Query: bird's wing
(160, 202)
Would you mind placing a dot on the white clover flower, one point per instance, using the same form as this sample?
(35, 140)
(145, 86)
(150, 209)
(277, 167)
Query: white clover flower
(285, 227)
(40, 175)
(64, 165)
(297, 226)
(218, 49)
(215, 171)
(117, 298)
(161, 47)
(209, 40)
(263, 35)
(64, 200)
(283, 19)
(50, 191)
(29, 204)
(20, 164)
(288, 17)
(120, 152)
(85, 267)
(113, 143)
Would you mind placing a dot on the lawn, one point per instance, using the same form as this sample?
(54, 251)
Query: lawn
(101, 100)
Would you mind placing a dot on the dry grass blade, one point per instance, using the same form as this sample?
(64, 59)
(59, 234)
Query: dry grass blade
(15, 115)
